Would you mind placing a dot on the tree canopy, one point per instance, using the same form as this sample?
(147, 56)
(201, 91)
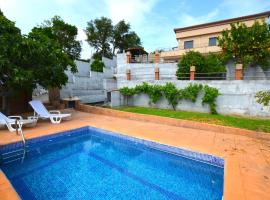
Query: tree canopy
(97, 65)
(41, 57)
(247, 45)
(99, 33)
(12, 74)
(123, 38)
(106, 39)
(212, 63)
(62, 33)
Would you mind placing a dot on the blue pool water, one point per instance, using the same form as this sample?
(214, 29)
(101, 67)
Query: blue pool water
(89, 164)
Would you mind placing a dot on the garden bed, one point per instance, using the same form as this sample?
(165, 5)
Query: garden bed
(255, 124)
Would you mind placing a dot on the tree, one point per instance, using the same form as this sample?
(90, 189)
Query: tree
(63, 33)
(211, 63)
(247, 45)
(97, 65)
(99, 35)
(123, 38)
(28, 60)
(106, 39)
(10, 53)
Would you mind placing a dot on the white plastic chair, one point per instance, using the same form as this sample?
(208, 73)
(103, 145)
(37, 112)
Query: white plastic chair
(40, 111)
(12, 121)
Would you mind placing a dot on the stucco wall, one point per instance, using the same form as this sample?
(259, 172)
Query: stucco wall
(237, 97)
(167, 71)
(212, 29)
(144, 71)
(86, 84)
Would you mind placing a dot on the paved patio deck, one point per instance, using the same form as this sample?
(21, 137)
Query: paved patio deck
(247, 159)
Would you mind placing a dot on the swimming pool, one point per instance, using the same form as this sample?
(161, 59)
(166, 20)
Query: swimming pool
(90, 163)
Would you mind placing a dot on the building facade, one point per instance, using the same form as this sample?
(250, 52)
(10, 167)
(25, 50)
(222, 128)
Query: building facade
(203, 37)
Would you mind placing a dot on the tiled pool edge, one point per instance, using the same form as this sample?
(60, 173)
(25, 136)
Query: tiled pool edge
(35, 142)
(207, 158)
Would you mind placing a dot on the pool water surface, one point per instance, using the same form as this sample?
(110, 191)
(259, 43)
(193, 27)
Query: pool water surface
(90, 163)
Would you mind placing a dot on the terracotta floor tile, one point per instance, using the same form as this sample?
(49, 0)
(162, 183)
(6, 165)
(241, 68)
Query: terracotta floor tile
(8, 194)
(247, 160)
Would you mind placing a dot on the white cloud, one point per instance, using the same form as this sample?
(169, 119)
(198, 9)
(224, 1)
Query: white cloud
(87, 51)
(152, 20)
(81, 34)
(66, 2)
(235, 8)
(188, 20)
(130, 10)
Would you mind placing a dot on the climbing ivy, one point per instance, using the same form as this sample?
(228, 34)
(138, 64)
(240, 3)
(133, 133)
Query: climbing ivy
(171, 94)
(210, 95)
(127, 91)
(263, 97)
(155, 93)
(174, 95)
(191, 92)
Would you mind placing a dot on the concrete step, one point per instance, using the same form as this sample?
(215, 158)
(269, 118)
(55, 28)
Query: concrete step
(92, 98)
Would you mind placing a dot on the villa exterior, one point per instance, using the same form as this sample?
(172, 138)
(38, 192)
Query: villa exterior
(203, 37)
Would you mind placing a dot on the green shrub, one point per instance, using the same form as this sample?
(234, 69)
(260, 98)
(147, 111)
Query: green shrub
(247, 45)
(210, 95)
(173, 95)
(97, 65)
(191, 92)
(212, 63)
(263, 97)
(144, 88)
(126, 91)
(155, 93)
(191, 58)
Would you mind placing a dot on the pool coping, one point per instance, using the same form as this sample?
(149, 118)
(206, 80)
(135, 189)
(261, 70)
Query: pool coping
(7, 191)
(57, 136)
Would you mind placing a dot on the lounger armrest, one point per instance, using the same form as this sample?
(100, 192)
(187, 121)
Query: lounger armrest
(15, 117)
(54, 112)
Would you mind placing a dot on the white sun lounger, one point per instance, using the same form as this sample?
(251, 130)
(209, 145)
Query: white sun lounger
(11, 122)
(40, 111)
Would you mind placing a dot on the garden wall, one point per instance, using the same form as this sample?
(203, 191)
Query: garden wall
(86, 84)
(237, 97)
(167, 71)
(144, 71)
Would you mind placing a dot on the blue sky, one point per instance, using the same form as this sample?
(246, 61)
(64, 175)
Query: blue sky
(152, 20)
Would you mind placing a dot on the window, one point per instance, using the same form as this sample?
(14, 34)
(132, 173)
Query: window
(188, 44)
(213, 41)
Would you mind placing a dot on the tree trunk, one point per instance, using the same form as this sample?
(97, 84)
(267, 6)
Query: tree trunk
(54, 95)
(15, 102)
(113, 50)
(4, 104)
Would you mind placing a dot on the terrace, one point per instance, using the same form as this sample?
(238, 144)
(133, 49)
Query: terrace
(246, 153)
(213, 144)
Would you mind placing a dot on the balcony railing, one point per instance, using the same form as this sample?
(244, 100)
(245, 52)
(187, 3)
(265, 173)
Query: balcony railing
(203, 48)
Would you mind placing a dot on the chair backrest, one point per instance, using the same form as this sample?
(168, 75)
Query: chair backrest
(3, 118)
(39, 108)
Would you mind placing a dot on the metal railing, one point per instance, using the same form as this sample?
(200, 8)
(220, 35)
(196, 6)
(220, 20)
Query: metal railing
(205, 76)
(201, 76)
(258, 75)
(19, 129)
(143, 58)
(150, 58)
(196, 45)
